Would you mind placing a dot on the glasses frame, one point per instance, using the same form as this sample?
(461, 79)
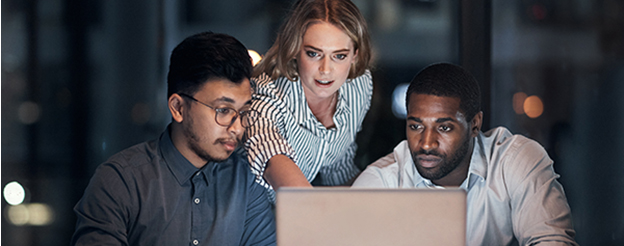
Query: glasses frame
(241, 114)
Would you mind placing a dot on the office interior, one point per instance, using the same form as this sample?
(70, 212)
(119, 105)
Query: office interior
(82, 80)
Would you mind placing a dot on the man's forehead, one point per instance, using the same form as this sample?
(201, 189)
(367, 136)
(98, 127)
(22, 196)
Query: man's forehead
(434, 108)
(224, 90)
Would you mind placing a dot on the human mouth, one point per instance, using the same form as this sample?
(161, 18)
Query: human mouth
(428, 161)
(324, 82)
(229, 145)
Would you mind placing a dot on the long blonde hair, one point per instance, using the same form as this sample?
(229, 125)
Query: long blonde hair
(279, 61)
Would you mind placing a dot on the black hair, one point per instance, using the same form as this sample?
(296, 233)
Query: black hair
(448, 80)
(206, 56)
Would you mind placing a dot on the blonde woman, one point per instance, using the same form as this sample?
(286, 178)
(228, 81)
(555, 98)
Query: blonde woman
(312, 90)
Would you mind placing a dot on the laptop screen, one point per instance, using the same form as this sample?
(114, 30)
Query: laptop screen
(345, 216)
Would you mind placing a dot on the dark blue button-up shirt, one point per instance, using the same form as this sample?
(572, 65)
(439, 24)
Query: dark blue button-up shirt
(149, 194)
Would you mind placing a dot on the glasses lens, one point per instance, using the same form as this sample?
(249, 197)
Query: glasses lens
(225, 116)
(248, 118)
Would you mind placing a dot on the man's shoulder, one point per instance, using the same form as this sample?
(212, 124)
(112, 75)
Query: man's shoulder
(385, 171)
(502, 139)
(136, 155)
(514, 154)
(116, 175)
(391, 162)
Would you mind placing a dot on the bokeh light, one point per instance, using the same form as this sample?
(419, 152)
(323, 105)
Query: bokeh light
(35, 214)
(40, 214)
(255, 57)
(533, 106)
(18, 215)
(28, 113)
(14, 193)
(398, 101)
(518, 102)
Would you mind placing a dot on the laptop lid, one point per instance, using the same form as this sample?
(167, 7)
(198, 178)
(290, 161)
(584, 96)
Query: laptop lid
(345, 216)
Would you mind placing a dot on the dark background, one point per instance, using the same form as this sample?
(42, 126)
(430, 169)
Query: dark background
(82, 80)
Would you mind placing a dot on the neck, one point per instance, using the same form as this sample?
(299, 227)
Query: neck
(181, 144)
(322, 104)
(324, 109)
(460, 173)
(455, 178)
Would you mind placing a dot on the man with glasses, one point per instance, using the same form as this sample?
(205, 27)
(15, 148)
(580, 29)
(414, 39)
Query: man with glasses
(192, 185)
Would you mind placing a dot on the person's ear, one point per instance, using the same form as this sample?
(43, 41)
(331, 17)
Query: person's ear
(176, 107)
(475, 124)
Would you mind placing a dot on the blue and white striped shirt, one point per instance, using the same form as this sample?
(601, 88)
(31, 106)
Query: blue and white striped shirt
(287, 126)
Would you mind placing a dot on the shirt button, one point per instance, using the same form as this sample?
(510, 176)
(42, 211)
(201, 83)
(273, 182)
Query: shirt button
(195, 242)
(196, 200)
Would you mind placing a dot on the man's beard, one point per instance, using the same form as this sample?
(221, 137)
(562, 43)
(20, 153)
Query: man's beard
(194, 143)
(447, 165)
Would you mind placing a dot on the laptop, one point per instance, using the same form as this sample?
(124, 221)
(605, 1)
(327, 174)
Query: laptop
(346, 216)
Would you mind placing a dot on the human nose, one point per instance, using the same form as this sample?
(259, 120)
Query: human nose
(429, 140)
(236, 127)
(325, 66)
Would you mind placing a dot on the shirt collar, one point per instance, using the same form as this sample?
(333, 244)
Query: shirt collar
(300, 105)
(478, 161)
(343, 106)
(411, 176)
(182, 169)
(476, 171)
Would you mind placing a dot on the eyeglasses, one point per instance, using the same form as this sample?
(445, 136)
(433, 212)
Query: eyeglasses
(226, 116)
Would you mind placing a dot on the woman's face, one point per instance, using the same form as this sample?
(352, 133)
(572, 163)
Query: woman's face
(324, 60)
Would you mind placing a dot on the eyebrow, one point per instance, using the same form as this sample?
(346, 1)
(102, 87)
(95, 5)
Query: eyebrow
(224, 99)
(439, 120)
(229, 100)
(317, 49)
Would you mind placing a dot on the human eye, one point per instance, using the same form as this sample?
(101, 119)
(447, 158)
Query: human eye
(224, 111)
(311, 53)
(341, 56)
(445, 128)
(414, 127)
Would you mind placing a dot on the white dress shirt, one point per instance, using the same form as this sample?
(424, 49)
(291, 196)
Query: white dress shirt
(513, 197)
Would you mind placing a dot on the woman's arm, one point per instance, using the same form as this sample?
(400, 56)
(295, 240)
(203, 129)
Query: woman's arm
(281, 171)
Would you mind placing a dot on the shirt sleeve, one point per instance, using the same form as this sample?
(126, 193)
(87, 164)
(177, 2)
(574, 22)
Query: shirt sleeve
(264, 138)
(539, 208)
(104, 209)
(260, 221)
(379, 174)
